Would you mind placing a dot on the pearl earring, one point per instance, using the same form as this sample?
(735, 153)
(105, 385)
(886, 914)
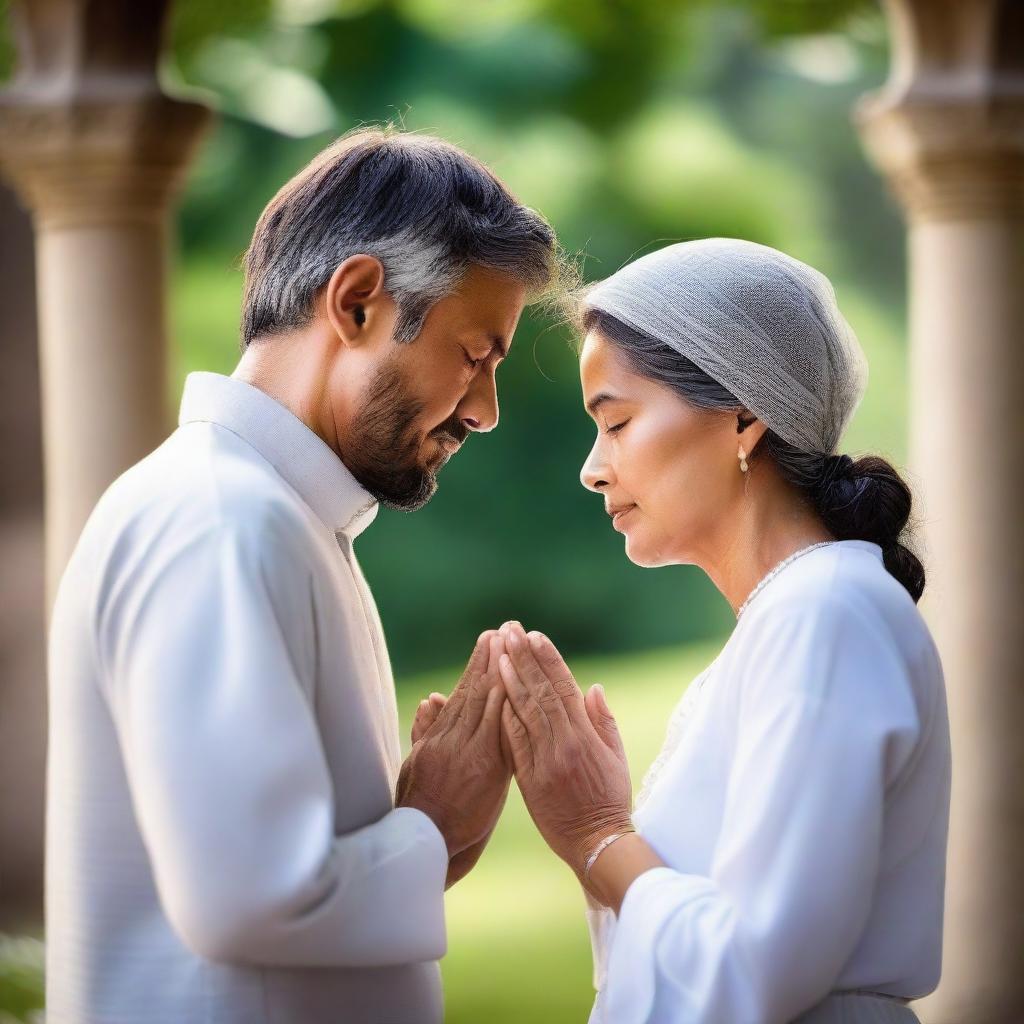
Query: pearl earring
(743, 460)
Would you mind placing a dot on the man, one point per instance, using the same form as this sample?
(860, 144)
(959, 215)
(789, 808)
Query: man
(223, 840)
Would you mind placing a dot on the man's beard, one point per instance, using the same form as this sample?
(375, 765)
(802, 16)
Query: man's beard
(382, 448)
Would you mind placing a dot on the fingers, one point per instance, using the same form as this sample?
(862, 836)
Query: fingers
(477, 663)
(554, 667)
(482, 684)
(517, 740)
(506, 750)
(426, 715)
(475, 668)
(495, 685)
(535, 679)
(489, 729)
(495, 649)
(526, 708)
(603, 720)
(421, 721)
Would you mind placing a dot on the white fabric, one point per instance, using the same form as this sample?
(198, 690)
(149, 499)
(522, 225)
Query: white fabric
(224, 747)
(762, 324)
(802, 810)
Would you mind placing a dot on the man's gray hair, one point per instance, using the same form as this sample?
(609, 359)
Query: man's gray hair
(426, 209)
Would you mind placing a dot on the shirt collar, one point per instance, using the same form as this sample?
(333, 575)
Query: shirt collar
(299, 455)
(866, 545)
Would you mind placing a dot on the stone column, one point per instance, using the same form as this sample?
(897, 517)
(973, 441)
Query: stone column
(96, 151)
(947, 130)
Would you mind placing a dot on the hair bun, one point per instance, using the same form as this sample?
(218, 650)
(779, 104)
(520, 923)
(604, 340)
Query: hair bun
(864, 499)
(836, 467)
(840, 486)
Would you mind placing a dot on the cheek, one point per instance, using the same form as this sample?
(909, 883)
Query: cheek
(434, 398)
(439, 396)
(675, 474)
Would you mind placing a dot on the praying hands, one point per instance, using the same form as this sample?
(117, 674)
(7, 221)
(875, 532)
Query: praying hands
(568, 757)
(458, 772)
(518, 709)
(570, 765)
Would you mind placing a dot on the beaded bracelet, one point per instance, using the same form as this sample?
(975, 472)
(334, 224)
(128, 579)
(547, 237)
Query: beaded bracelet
(600, 848)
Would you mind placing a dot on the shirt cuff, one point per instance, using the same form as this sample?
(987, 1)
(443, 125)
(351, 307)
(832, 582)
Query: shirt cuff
(632, 974)
(426, 832)
(419, 886)
(642, 884)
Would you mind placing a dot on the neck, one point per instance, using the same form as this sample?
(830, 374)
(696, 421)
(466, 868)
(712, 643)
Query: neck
(293, 369)
(766, 529)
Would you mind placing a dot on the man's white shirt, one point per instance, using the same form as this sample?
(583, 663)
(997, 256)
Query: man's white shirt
(222, 845)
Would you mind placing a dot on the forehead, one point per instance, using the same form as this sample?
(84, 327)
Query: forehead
(487, 296)
(602, 365)
(481, 312)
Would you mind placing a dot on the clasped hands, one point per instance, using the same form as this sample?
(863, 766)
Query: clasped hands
(517, 710)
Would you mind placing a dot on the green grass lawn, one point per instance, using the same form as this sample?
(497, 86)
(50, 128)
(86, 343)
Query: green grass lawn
(518, 946)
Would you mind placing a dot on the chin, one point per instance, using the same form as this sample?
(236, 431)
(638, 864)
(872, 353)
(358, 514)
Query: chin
(406, 491)
(645, 562)
(646, 552)
(642, 556)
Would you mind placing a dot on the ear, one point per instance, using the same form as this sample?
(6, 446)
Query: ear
(749, 429)
(355, 299)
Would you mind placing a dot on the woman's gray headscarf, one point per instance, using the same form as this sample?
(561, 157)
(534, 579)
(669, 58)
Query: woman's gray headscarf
(762, 324)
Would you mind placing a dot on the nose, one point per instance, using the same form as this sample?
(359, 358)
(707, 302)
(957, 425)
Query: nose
(478, 410)
(595, 473)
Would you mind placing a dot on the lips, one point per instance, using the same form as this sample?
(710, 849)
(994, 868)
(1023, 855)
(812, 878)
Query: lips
(619, 512)
(447, 444)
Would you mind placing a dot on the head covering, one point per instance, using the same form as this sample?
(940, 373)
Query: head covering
(762, 324)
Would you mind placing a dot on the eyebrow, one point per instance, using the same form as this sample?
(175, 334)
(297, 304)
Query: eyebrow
(598, 400)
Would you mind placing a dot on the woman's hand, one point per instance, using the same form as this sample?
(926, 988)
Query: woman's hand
(568, 756)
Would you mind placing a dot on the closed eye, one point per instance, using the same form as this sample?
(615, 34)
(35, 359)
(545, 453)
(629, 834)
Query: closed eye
(471, 361)
(616, 428)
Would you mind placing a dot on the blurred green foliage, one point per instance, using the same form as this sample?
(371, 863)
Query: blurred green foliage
(21, 980)
(629, 124)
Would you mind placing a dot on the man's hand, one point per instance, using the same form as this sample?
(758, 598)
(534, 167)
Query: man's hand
(426, 715)
(456, 772)
(462, 863)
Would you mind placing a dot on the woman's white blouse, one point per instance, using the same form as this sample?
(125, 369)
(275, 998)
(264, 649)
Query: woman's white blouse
(801, 806)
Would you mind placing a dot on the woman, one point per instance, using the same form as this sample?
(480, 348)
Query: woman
(785, 857)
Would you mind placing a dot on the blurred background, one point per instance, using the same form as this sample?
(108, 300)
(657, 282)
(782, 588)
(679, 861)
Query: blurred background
(628, 123)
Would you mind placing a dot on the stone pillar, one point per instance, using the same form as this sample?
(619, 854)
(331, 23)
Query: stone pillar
(947, 130)
(22, 626)
(96, 151)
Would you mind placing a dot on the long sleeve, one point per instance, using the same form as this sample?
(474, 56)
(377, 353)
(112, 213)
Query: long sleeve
(825, 722)
(227, 773)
